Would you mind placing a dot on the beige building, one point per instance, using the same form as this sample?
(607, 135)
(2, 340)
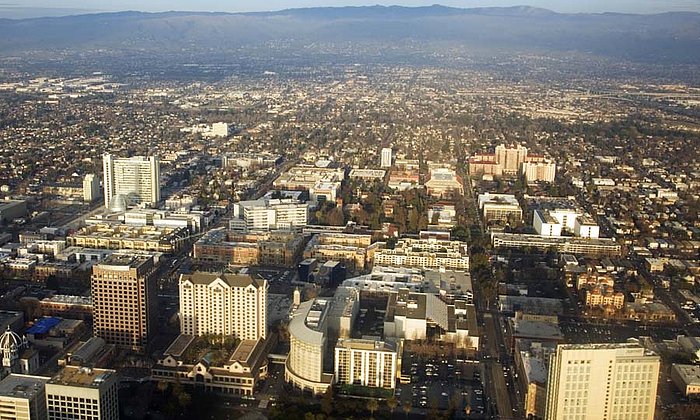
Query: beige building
(307, 345)
(140, 238)
(444, 182)
(603, 296)
(22, 397)
(354, 250)
(82, 393)
(425, 253)
(502, 207)
(602, 381)
(366, 362)
(236, 374)
(123, 298)
(539, 171)
(280, 248)
(510, 158)
(223, 304)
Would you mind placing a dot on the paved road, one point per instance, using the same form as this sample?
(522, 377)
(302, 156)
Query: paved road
(498, 388)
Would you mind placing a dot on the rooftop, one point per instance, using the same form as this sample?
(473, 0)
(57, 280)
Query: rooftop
(124, 261)
(690, 374)
(82, 377)
(232, 280)
(22, 386)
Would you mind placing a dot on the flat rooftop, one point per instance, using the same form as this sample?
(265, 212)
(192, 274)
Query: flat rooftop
(22, 386)
(125, 261)
(82, 377)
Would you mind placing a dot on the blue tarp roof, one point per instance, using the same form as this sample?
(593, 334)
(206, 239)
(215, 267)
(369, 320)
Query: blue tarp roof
(43, 325)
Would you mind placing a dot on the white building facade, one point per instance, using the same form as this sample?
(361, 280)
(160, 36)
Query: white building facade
(136, 178)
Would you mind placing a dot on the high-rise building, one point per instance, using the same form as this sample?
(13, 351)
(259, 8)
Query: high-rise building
(22, 397)
(91, 188)
(366, 362)
(123, 298)
(307, 346)
(82, 393)
(387, 155)
(137, 179)
(539, 171)
(223, 304)
(602, 381)
(510, 158)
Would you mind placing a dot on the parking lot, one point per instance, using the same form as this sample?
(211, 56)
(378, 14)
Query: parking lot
(443, 383)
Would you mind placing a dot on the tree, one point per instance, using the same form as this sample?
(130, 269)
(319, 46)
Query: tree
(163, 386)
(372, 406)
(184, 399)
(406, 406)
(392, 403)
(327, 401)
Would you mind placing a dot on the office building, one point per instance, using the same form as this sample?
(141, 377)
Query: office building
(82, 393)
(124, 299)
(602, 381)
(223, 304)
(686, 378)
(22, 397)
(531, 363)
(366, 362)
(264, 214)
(500, 207)
(91, 188)
(139, 238)
(136, 180)
(387, 155)
(556, 221)
(307, 346)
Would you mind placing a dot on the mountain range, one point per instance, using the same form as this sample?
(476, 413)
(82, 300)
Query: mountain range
(663, 38)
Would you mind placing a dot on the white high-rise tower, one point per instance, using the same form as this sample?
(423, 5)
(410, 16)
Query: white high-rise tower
(386, 157)
(136, 178)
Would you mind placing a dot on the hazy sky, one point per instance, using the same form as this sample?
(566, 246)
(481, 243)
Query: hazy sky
(8, 7)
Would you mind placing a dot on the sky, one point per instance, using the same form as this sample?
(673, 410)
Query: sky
(33, 8)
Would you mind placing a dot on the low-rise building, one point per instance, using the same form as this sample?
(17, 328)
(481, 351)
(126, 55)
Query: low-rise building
(119, 236)
(425, 253)
(500, 207)
(268, 214)
(409, 315)
(561, 244)
(686, 378)
(236, 374)
(444, 182)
